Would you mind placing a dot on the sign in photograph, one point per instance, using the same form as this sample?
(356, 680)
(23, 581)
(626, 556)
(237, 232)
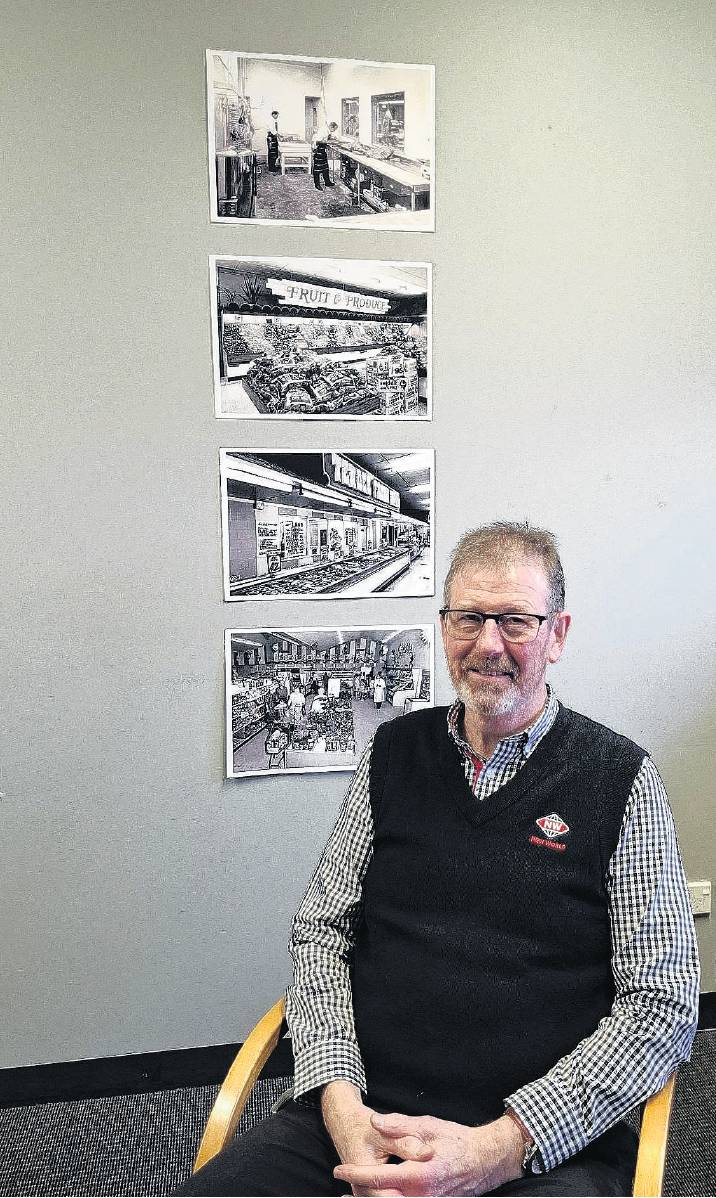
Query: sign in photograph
(326, 297)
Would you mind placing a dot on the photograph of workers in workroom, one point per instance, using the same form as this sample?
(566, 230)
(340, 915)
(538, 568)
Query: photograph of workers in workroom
(327, 141)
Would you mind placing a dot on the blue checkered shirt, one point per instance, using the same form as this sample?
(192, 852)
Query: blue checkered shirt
(654, 958)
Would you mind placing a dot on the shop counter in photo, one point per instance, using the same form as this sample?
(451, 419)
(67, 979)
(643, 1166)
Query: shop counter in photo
(382, 184)
(326, 525)
(300, 700)
(328, 338)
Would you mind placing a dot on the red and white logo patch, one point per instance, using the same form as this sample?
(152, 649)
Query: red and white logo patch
(552, 825)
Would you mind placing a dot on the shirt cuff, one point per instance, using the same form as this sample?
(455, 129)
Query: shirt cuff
(327, 1061)
(550, 1119)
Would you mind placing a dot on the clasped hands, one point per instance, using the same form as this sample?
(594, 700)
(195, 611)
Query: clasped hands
(436, 1156)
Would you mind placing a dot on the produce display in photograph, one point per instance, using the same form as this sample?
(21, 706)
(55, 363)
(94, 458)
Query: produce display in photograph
(336, 142)
(326, 525)
(299, 338)
(301, 700)
(300, 385)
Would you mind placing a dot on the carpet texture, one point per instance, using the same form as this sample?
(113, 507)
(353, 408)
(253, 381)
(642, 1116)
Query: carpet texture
(141, 1144)
(132, 1144)
(294, 196)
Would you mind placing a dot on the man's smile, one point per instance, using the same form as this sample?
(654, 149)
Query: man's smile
(484, 672)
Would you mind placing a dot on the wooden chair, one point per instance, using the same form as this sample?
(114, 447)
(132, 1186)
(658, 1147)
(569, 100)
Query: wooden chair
(255, 1052)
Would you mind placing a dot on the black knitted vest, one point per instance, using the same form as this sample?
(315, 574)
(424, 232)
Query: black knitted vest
(483, 952)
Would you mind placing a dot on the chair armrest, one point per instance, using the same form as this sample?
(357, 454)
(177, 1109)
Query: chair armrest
(649, 1173)
(245, 1068)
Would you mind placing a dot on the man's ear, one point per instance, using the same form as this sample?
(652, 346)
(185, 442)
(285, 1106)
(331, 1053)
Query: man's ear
(558, 635)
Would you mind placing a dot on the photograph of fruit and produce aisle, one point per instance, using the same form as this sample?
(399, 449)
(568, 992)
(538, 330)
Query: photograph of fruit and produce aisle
(335, 338)
(302, 700)
(326, 525)
(310, 141)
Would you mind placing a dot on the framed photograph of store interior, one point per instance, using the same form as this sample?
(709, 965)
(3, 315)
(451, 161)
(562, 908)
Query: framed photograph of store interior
(333, 338)
(320, 141)
(329, 525)
(304, 700)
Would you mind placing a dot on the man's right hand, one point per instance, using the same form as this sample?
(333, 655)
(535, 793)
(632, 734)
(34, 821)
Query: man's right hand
(356, 1141)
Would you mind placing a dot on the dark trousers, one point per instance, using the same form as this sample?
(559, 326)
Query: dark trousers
(273, 152)
(291, 1153)
(320, 165)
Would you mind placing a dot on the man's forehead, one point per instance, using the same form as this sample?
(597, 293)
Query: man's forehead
(514, 573)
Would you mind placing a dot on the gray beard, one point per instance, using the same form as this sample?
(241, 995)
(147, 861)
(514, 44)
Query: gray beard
(486, 702)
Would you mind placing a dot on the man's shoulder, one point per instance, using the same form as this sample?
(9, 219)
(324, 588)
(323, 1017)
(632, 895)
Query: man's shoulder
(599, 738)
(414, 725)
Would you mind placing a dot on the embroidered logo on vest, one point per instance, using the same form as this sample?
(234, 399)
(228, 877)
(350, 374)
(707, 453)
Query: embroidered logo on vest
(552, 826)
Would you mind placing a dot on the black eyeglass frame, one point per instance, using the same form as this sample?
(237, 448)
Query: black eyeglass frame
(496, 616)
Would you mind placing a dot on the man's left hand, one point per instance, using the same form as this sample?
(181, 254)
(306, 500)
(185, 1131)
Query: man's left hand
(461, 1160)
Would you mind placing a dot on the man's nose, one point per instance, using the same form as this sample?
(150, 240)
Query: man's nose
(490, 638)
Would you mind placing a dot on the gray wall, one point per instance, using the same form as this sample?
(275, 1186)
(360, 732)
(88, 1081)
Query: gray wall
(145, 901)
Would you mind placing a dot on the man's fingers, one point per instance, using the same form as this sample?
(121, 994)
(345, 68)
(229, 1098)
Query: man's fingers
(400, 1125)
(410, 1148)
(361, 1192)
(370, 1178)
(381, 1179)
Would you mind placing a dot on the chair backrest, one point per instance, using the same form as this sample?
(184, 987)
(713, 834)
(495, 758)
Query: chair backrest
(238, 1083)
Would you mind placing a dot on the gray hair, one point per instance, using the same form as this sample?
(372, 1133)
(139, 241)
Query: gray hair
(506, 541)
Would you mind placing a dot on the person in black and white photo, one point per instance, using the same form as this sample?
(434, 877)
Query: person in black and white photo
(319, 146)
(272, 143)
(379, 690)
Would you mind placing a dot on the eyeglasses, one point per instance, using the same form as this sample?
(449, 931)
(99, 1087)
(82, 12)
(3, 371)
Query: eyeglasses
(516, 627)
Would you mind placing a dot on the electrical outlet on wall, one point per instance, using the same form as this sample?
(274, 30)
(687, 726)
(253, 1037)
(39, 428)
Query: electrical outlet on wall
(700, 897)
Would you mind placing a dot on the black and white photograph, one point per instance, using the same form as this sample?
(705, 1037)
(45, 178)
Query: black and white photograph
(333, 338)
(329, 525)
(320, 141)
(301, 700)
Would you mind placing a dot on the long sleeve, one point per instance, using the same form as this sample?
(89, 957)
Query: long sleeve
(656, 975)
(319, 1007)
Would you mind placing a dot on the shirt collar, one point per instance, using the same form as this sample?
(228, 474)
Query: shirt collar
(520, 744)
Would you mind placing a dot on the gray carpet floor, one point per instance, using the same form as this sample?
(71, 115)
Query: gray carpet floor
(142, 1144)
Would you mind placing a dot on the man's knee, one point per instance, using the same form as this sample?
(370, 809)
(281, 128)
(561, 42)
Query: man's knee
(288, 1153)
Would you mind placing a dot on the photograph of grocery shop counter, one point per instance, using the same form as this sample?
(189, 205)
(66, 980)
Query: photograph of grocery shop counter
(326, 525)
(335, 338)
(320, 141)
(309, 699)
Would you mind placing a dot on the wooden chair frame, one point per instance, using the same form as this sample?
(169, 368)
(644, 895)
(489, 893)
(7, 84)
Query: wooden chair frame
(255, 1052)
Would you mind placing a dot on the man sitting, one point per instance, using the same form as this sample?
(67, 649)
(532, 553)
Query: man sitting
(495, 959)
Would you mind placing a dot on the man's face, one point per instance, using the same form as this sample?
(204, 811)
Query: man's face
(494, 678)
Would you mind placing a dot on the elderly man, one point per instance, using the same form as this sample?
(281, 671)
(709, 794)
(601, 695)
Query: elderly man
(495, 959)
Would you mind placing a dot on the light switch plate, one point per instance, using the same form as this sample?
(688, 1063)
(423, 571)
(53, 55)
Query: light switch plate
(700, 896)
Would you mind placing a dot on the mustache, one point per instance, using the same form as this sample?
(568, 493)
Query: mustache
(492, 667)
